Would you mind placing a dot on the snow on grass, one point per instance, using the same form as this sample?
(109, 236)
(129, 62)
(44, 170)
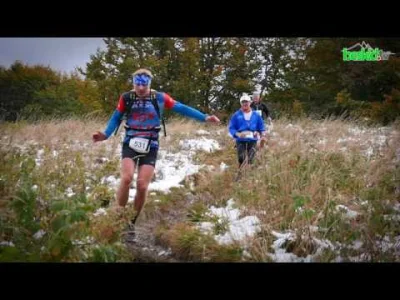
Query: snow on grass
(369, 142)
(69, 192)
(396, 207)
(350, 214)
(395, 218)
(208, 145)
(237, 229)
(111, 181)
(7, 244)
(389, 244)
(385, 245)
(86, 241)
(39, 159)
(171, 169)
(223, 166)
(295, 127)
(281, 255)
(202, 132)
(357, 244)
(100, 212)
(206, 227)
(163, 252)
(132, 194)
(356, 131)
(38, 235)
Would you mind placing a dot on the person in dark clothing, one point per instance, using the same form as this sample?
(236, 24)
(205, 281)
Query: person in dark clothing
(260, 108)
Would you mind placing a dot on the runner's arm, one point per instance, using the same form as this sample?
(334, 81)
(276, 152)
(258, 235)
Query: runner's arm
(183, 109)
(232, 127)
(115, 118)
(261, 126)
(266, 110)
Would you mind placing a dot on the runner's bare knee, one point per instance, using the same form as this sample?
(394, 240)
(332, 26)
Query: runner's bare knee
(126, 179)
(142, 186)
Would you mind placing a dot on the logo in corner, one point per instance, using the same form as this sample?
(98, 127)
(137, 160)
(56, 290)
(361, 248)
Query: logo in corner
(365, 53)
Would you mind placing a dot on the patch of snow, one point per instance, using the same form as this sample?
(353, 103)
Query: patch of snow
(246, 254)
(211, 168)
(171, 169)
(357, 245)
(356, 131)
(86, 240)
(7, 244)
(110, 180)
(208, 145)
(69, 192)
(281, 255)
(100, 212)
(206, 227)
(351, 214)
(369, 152)
(40, 152)
(223, 166)
(132, 194)
(202, 132)
(392, 218)
(38, 235)
(238, 229)
(380, 140)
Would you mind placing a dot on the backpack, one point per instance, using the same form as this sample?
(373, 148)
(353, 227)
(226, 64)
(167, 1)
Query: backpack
(128, 105)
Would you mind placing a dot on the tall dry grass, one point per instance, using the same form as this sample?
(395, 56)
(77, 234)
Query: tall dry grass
(308, 171)
(297, 184)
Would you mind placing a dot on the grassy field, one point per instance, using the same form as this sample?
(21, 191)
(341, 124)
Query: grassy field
(320, 191)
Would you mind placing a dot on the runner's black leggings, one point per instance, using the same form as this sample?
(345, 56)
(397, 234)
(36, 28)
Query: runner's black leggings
(246, 149)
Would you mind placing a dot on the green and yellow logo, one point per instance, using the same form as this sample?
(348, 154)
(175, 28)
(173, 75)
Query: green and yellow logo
(365, 53)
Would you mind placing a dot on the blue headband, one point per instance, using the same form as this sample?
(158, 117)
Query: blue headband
(142, 79)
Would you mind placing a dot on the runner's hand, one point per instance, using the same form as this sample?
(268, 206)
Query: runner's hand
(98, 136)
(212, 119)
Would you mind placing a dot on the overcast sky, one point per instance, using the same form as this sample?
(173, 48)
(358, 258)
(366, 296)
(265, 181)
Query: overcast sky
(62, 54)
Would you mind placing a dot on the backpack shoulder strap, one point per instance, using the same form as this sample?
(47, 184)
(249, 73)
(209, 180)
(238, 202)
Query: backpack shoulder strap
(129, 99)
(154, 100)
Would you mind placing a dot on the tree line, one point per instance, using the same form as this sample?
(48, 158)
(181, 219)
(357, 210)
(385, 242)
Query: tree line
(296, 76)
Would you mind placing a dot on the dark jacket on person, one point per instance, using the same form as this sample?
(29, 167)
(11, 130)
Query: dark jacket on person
(262, 107)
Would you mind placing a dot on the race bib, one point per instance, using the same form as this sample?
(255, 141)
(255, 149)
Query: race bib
(140, 145)
(248, 134)
(259, 112)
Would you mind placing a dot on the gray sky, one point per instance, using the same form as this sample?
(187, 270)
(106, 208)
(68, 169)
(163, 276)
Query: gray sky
(61, 54)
